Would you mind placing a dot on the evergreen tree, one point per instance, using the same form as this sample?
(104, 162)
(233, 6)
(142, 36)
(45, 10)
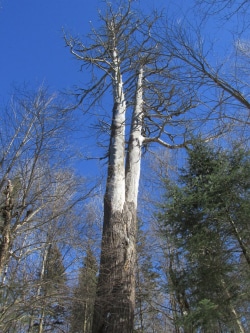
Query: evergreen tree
(205, 218)
(52, 292)
(146, 285)
(84, 296)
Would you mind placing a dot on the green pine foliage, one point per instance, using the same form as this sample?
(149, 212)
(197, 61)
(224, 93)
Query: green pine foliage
(147, 289)
(53, 291)
(84, 295)
(205, 217)
(54, 270)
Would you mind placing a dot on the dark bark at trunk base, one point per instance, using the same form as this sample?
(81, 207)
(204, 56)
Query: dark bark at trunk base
(115, 300)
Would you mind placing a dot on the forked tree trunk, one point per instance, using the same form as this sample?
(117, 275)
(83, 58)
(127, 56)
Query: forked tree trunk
(115, 302)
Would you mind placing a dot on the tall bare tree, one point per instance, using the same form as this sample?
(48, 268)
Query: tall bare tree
(148, 103)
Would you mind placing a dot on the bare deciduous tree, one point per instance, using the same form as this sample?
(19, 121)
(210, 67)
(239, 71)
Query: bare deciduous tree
(149, 106)
(39, 192)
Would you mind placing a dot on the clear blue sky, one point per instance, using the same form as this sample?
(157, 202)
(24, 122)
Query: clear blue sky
(31, 39)
(32, 46)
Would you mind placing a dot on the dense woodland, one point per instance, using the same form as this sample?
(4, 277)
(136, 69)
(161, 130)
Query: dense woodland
(159, 242)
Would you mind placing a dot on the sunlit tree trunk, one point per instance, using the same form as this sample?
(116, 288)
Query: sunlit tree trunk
(5, 245)
(122, 54)
(234, 313)
(42, 274)
(114, 309)
(38, 294)
(240, 241)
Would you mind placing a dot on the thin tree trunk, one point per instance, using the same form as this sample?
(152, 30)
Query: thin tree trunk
(6, 239)
(44, 261)
(240, 328)
(40, 329)
(140, 304)
(85, 322)
(240, 240)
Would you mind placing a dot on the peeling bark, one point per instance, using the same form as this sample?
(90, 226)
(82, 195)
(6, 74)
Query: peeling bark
(133, 162)
(114, 310)
(115, 301)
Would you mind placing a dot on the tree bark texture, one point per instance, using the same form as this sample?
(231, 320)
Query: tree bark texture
(6, 240)
(115, 301)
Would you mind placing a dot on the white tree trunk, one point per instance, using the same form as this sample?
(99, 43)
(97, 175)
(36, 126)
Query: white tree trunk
(6, 237)
(115, 187)
(115, 302)
(133, 162)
